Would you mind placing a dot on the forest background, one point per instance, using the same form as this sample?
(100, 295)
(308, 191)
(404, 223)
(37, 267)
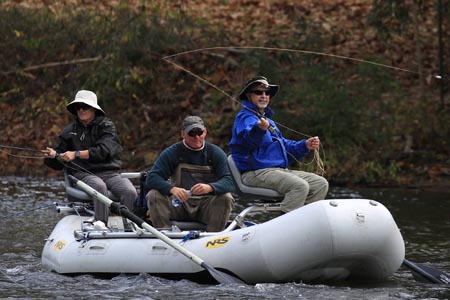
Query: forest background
(361, 74)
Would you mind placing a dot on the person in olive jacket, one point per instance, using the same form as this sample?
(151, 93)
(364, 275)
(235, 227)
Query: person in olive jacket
(90, 150)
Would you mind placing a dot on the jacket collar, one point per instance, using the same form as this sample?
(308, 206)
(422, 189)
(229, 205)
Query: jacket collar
(97, 119)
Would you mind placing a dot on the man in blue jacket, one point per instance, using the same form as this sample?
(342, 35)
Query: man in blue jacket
(196, 174)
(263, 155)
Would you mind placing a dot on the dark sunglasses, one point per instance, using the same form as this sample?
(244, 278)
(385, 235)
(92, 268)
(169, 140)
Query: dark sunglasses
(259, 92)
(82, 106)
(195, 132)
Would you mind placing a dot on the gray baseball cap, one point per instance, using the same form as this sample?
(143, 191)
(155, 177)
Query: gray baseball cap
(192, 122)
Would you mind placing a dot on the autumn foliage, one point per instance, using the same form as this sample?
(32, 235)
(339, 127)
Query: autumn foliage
(363, 80)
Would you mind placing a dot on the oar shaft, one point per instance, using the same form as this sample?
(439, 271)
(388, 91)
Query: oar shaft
(219, 276)
(126, 213)
(137, 220)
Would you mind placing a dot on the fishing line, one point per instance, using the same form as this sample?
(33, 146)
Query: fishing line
(319, 163)
(228, 95)
(21, 149)
(439, 76)
(317, 159)
(22, 156)
(76, 167)
(30, 210)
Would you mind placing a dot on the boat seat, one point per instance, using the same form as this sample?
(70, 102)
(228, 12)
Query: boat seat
(189, 225)
(249, 192)
(77, 195)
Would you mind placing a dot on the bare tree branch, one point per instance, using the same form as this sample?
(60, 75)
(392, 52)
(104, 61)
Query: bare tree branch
(54, 64)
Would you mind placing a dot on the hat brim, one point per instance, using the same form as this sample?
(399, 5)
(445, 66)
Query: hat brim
(190, 127)
(71, 106)
(273, 89)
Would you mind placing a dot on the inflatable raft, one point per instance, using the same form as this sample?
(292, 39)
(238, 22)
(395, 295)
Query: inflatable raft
(326, 241)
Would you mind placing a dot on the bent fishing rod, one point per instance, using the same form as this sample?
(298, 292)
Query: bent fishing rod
(317, 159)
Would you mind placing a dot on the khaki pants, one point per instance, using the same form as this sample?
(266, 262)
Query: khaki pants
(297, 186)
(213, 210)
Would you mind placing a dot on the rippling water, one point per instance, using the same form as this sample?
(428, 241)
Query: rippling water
(423, 217)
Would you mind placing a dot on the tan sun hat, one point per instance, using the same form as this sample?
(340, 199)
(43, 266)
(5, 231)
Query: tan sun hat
(86, 97)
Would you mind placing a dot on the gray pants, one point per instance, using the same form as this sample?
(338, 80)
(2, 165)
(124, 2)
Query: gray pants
(297, 187)
(213, 211)
(122, 188)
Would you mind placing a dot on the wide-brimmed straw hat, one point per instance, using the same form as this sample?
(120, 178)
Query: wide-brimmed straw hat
(259, 80)
(86, 97)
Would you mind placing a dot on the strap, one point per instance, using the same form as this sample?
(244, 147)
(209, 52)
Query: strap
(181, 150)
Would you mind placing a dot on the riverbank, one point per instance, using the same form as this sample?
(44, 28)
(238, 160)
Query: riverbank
(380, 125)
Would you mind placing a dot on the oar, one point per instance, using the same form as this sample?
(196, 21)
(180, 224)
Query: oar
(427, 274)
(221, 277)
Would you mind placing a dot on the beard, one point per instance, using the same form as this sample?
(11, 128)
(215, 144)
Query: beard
(262, 104)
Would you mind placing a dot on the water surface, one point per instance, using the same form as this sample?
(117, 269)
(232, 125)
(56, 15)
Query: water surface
(422, 215)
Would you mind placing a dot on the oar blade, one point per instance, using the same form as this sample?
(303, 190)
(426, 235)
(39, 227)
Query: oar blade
(427, 274)
(221, 277)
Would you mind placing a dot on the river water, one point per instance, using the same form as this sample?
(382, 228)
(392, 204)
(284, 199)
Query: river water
(422, 215)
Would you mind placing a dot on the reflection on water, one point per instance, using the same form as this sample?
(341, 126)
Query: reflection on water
(422, 216)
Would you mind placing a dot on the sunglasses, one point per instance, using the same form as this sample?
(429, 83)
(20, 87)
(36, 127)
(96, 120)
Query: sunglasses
(82, 106)
(259, 92)
(195, 132)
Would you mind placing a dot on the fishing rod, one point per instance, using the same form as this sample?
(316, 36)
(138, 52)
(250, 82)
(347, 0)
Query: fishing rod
(317, 53)
(317, 159)
(21, 149)
(67, 164)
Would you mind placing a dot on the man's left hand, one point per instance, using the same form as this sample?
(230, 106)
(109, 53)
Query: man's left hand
(201, 189)
(313, 143)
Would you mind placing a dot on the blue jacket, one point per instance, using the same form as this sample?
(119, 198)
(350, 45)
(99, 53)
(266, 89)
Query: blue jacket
(254, 149)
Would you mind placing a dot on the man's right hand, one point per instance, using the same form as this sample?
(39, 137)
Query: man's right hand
(179, 193)
(49, 152)
(263, 124)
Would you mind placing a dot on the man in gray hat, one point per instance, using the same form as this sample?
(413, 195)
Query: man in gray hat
(263, 155)
(194, 173)
(90, 150)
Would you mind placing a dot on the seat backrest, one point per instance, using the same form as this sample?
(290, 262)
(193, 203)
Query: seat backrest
(249, 192)
(77, 195)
